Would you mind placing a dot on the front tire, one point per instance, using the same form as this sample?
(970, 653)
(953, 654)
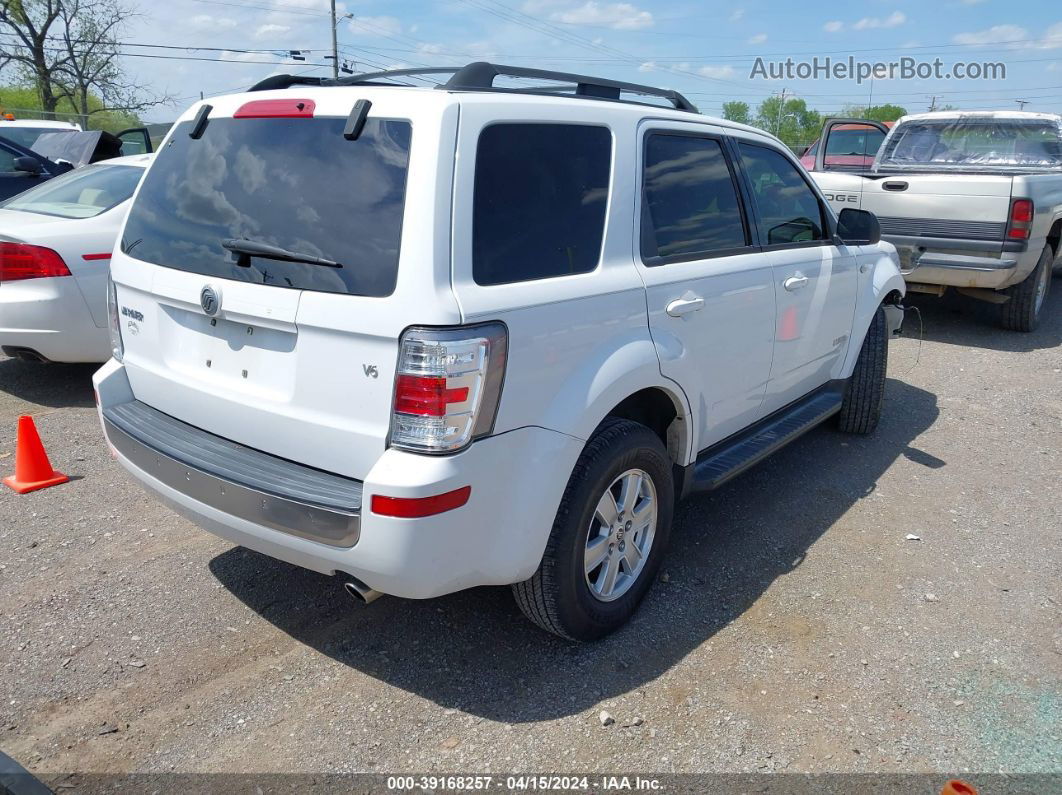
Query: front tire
(865, 391)
(1022, 311)
(609, 536)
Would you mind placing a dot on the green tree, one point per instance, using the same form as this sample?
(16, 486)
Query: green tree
(737, 111)
(874, 112)
(29, 28)
(24, 101)
(70, 50)
(793, 122)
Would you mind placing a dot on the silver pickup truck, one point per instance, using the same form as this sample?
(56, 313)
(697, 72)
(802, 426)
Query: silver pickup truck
(972, 201)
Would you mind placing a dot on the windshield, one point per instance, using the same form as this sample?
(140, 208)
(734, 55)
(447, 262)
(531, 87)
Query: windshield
(27, 136)
(974, 143)
(84, 193)
(295, 184)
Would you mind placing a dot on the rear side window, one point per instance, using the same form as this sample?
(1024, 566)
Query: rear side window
(789, 210)
(691, 204)
(295, 184)
(539, 203)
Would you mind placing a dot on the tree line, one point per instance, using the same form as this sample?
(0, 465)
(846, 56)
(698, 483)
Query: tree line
(797, 125)
(67, 54)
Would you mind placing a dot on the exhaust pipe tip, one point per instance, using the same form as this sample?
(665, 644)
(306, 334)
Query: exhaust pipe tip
(360, 591)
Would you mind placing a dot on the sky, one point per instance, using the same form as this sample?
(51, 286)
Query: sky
(704, 49)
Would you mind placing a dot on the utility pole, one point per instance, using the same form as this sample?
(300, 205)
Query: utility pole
(335, 44)
(781, 107)
(932, 103)
(1022, 103)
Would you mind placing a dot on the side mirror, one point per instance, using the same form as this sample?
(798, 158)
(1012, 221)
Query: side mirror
(28, 165)
(858, 227)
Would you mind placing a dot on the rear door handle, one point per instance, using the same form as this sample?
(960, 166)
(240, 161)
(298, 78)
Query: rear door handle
(895, 186)
(795, 282)
(684, 306)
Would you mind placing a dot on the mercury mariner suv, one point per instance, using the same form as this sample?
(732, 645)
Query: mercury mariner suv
(425, 336)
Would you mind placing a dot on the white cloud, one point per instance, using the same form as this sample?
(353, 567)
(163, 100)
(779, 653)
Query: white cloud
(834, 26)
(375, 26)
(893, 20)
(718, 72)
(759, 38)
(270, 29)
(618, 16)
(737, 14)
(1013, 37)
(648, 66)
(213, 23)
(994, 35)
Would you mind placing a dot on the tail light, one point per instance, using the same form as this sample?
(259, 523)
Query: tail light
(1021, 216)
(447, 386)
(23, 261)
(115, 322)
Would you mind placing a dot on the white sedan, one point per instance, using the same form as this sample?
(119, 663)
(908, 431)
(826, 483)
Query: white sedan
(55, 250)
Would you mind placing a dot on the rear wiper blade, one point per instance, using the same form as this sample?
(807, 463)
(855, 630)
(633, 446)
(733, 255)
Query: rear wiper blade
(250, 248)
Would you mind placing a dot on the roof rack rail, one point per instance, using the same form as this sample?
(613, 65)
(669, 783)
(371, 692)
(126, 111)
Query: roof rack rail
(480, 75)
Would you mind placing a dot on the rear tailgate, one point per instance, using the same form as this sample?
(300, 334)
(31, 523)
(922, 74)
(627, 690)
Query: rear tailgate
(291, 358)
(956, 206)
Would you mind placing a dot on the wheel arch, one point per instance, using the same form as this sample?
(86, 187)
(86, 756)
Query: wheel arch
(664, 412)
(1054, 236)
(887, 286)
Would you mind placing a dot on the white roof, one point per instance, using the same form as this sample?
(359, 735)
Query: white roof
(57, 125)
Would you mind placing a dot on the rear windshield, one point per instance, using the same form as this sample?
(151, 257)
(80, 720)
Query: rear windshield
(974, 143)
(295, 184)
(84, 193)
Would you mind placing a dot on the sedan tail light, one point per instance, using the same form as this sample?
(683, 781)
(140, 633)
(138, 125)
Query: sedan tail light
(447, 387)
(23, 261)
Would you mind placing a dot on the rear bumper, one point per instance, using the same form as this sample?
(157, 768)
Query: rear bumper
(49, 316)
(953, 262)
(498, 537)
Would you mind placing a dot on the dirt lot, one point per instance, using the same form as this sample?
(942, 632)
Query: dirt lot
(796, 627)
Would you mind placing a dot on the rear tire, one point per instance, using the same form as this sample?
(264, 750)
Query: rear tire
(865, 390)
(1022, 311)
(567, 595)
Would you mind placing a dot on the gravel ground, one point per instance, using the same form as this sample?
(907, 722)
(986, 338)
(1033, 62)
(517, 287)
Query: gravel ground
(796, 628)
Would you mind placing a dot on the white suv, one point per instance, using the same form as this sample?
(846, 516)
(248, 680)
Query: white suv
(428, 338)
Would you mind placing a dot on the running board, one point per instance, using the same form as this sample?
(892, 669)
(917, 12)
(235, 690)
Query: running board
(730, 457)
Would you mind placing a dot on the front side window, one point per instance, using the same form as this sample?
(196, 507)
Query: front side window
(691, 205)
(83, 193)
(539, 201)
(859, 142)
(789, 211)
(294, 184)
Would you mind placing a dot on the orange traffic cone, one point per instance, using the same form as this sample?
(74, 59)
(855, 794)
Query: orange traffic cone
(956, 787)
(32, 469)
